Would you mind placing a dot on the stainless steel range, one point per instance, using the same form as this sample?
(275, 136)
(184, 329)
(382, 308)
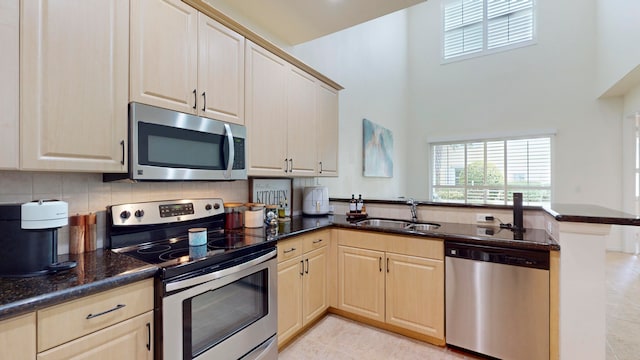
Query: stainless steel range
(217, 300)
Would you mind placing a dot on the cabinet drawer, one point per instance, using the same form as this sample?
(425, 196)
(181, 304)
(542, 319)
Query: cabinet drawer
(71, 320)
(415, 246)
(290, 248)
(362, 239)
(130, 339)
(315, 240)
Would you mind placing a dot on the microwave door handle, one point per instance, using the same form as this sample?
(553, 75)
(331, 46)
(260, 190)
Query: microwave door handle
(232, 151)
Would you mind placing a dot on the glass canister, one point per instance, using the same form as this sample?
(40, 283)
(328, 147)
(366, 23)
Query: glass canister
(234, 218)
(271, 215)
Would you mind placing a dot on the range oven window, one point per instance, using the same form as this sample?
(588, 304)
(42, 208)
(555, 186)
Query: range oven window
(167, 146)
(213, 316)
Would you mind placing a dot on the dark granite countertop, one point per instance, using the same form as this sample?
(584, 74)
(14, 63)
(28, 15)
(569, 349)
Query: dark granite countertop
(103, 269)
(535, 239)
(96, 271)
(592, 214)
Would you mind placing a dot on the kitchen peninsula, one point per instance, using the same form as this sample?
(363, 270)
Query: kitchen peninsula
(578, 231)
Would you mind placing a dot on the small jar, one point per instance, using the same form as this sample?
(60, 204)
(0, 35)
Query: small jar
(234, 218)
(271, 215)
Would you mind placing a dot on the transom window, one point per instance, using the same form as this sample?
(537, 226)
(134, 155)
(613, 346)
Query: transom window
(474, 27)
(490, 171)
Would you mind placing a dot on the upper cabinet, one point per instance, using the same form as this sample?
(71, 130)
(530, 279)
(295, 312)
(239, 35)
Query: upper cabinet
(220, 71)
(9, 86)
(292, 118)
(164, 54)
(74, 57)
(185, 61)
(301, 119)
(327, 130)
(266, 112)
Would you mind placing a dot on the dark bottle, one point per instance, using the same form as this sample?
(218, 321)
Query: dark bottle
(353, 204)
(359, 204)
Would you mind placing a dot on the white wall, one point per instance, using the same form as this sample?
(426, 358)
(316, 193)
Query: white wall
(630, 241)
(618, 50)
(547, 85)
(369, 60)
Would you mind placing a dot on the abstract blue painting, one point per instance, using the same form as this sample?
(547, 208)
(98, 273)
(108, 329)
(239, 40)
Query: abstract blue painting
(377, 150)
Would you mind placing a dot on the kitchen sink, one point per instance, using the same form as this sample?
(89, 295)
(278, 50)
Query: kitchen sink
(424, 226)
(386, 223)
(398, 224)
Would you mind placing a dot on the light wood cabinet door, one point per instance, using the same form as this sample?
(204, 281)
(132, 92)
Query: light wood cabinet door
(266, 121)
(74, 60)
(301, 119)
(10, 84)
(220, 71)
(164, 54)
(290, 274)
(314, 284)
(327, 124)
(18, 338)
(129, 340)
(361, 289)
(415, 294)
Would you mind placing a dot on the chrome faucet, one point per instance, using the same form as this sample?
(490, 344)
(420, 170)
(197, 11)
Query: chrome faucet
(414, 211)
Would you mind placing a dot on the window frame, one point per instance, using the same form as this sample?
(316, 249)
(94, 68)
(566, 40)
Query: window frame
(485, 50)
(550, 134)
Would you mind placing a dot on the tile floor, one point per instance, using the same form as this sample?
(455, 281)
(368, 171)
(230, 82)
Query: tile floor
(337, 338)
(623, 306)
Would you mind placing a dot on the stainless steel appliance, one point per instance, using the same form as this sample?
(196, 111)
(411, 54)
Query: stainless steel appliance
(213, 301)
(315, 200)
(497, 300)
(170, 145)
(29, 238)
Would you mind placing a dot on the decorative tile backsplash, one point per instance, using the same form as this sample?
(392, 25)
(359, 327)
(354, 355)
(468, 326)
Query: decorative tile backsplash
(87, 193)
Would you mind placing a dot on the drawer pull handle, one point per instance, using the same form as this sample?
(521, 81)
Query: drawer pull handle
(288, 251)
(317, 241)
(148, 337)
(307, 271)
(387, 265)
(380, 264)
(118, 307)
(301, 267)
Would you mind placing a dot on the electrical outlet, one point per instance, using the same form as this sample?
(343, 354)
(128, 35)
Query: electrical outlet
(483, 218)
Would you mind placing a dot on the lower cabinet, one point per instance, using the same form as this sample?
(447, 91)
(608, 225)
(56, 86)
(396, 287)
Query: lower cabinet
(380, 278)
(361, 282)
(18, 337)
(113, 324)
(130, 339)
(302, 282)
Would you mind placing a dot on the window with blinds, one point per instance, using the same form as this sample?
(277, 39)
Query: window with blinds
(490, 171)
(481, 26)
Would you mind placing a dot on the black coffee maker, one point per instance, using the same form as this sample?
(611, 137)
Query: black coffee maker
(29, 238)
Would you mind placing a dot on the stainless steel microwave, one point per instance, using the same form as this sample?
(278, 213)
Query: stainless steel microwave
(167, 145)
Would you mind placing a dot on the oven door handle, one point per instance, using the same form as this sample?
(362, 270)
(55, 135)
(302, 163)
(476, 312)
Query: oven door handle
(183, 284)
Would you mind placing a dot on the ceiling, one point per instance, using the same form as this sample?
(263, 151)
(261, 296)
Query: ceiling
(299, 21)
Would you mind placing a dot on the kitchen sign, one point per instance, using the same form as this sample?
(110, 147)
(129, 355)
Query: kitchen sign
(271, 192)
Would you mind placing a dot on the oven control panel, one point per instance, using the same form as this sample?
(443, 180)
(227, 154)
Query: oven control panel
(160, 212)
(168, 210)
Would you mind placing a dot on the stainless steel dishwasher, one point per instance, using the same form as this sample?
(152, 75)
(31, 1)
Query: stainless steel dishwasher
(497, 300)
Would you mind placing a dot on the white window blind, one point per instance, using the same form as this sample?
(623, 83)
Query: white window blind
(477, 26)
(490, 171)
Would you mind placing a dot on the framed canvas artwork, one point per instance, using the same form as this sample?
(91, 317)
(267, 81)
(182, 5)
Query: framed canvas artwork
(377, 150)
